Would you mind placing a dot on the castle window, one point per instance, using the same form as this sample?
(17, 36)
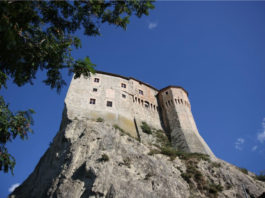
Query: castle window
(176, 101)
(146, 104)
(181, 101)
(92, 101)
(141, 92)
(109, 103)
(123, 85)
(95, 89)
(123, 95)
(139, 101)
(166, 92)
(96, 80)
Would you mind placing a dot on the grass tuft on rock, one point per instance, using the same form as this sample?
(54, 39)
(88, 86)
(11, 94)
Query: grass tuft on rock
(243, 170)
(104, 158)
(215, 188)
(146, 128)
(100, 119)
(215, 165)
(261, 176)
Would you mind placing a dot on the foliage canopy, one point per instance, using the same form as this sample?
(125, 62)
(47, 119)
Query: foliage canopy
(39, 35)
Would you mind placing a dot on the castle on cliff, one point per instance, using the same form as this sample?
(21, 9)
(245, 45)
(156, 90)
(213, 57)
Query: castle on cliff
(127, 102)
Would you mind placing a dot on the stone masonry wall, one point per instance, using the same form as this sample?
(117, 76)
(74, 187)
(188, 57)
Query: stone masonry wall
(180, 122)
(130, 99)
(127, 102)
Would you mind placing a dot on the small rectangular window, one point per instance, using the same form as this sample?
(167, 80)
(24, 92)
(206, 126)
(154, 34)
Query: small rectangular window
(123, 95)
(123, 85)
(96, 80)
(141, 92)
(109, 104)
(95, 89)
(166, 92)
(92, 101)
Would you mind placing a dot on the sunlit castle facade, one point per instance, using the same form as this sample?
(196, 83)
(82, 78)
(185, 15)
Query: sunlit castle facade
(128, 102)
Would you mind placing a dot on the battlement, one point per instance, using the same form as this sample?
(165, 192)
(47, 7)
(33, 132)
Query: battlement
(126, 101)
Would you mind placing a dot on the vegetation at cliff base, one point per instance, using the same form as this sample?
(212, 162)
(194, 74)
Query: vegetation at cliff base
(197, 180)
(243, 170)
(261, 176)
(40, 35)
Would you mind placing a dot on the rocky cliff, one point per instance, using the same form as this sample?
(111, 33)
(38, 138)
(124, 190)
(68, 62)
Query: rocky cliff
(95, 159)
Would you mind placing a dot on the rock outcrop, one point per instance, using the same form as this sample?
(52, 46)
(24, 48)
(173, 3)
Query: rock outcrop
(95, 159)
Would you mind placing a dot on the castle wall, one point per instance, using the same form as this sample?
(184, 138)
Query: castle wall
(128, 99)
(127, 102)
(176, 113)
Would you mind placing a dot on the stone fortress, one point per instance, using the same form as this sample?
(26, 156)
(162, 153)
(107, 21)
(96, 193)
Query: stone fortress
(127, 102)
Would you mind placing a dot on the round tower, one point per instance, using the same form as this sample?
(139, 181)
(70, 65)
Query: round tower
(179, 122)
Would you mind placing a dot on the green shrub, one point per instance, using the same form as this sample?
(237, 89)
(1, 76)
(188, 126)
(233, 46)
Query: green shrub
(243, 170)
(148, 175)
(118, 128)
(127, 162)
(215, 165)
(100, 120)
(153, 152)
(161, 138)
(146, 128)
(198, 156)
(215, 188)
(169, 151)
(261, 176)
(186, 156)
(186, 177)
(104, 158)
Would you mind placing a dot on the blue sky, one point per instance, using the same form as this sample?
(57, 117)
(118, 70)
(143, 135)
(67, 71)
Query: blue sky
(215, 50)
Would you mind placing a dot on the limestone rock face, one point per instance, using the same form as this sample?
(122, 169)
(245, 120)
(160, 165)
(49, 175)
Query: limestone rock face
(94, 159)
